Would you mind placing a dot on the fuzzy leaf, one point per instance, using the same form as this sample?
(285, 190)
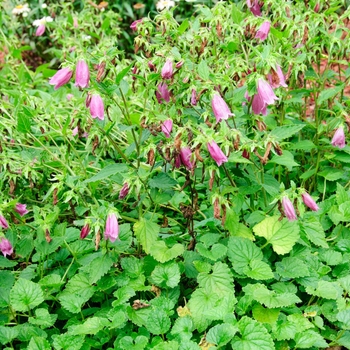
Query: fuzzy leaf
(146, 233)
(25, 295)
(98, 267)
(123, 294)
(308, 339)
(166, 275)
(286, 131)
(38, 343)
(162, 253)
(281, 234)
(292, 268)
(258, 270)
(109, 170)
(265, 315)
(314, 230)
(67, 342)
(253, 336)
(158, 322)
(221, 334)
(344, 317)
(216, 252)
(284, 330)
(326, 289)
(43, 318)
(90, 326)
(7, 334)
(162, 181)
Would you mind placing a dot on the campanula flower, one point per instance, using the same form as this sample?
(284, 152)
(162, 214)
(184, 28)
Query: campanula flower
(309, 202)
(96, 107)
(264, 97)
(21, 209)
(167, 126)
(5, 246)
(61, 77)
(276, 78)
(338, 139)
(194, 97)
(112, 228)
(3, 222)
(40, 30)
(163, 93)
(258, 105)
(220, 108)
(84, 231)
(82, 74)
(288, 209)
(254, 7)
(216, 153)
(135, 23)
(167, 70)
(185, 156)
(124, 191)
(40, 23)
(263, 31)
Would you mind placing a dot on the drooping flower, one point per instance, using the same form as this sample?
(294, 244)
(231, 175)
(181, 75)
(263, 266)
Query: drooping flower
(40, 30)
(82, 74)
(309, 202)
(164, 4)
(112, 228)
(135, 23)
(288, 209)
(151, 66)
(338, 139)
(216, 153)
(179, 64)
(167, 126)
(6, 247)
(21, 209)
(84, 231)
(3, 222)
(167, 70)
(41, 24)
(220, 108)
(124, 191)
(264, 97)
(258, 105)
(263, 31)
(96, 107)
(163, 93)
(254, 7)
(276, 78)
(194, 97)
(185, 156)
(61, 77)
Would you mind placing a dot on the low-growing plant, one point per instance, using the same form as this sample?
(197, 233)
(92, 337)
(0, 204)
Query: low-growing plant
(192, 197)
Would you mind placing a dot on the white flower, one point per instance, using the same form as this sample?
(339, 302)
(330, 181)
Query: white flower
(164, 4)
(86, 37)
(44, 6)
(21, 9)
(44, 20)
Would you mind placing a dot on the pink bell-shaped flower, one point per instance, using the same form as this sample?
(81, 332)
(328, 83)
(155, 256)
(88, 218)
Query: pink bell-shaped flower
(220, 108)
(84, 231)
(163, 93)
(194, 97)
(40, 30)
(167, 70)
(21, 209)
(264, 97)
(254, 7)
(276, 78)
(309, 202)
(124, 191)
(338, 139)
(185, 156)
(263, 31)
(61, 77)
(96, 107)
(112, 228)
(216, 153)
(135, 23)
(167, 126)
(82, 74)
(6, 246)
(3, 222)
(288, 209)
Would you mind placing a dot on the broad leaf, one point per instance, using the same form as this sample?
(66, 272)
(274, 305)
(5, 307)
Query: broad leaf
(221, 334)
(292, 268)
(25, 295)
(158, 322)
(166, 275)
(146, 233)
(162, 253)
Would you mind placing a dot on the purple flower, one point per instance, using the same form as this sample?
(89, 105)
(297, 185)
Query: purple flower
(167, 70)
(194, 97)
(254, 7)
(309, 202)
(338, 139)
(135, 23)
(276, 79)
(69, 96)
(61, 77)
(124, 191)
(84, 231)
(3, 222)
(112, 228)
(21, 209)
(288, 209)
(264, 97)
(220, 108)
(163, 93)
(151, 66)
(258, 105)
(96, 107)
(167, 126)
(6, 247)
(263, 31)
(82, 74)
(40, 30)
(75, 131)
(216, 153)
(179, 64)
(185, 156)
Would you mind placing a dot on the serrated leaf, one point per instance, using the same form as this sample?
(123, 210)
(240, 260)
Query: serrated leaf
(146, 233)
(283, 132)
(162, 181)
(331, 174)
(326, 289)
(43, 318)
(221, 334)
(344, 317)
(331, 257)
(329, 93)
(7, 334)
(162, 253)
(241, 251)
(258, 270)
(67, 342)
(91, 326)
(6, 262)
(265, 315)
(291, 267)
(73, 302)
(25, 295)
(286, 159)
(158, 322)
(98, 267)
(38, 343)
(308, 339)
(314, 231)
(139, 317)
(109, 170)
(203, 70)
(123, 294)
(253, 336)
(282, 235)
(166, 275)
(216, 252)
(284, 330)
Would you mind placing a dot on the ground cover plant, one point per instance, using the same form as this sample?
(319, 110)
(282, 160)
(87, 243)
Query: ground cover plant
(187, 192)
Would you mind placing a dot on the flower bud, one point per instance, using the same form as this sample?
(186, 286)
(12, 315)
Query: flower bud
(134, 24)
(61, 77)
(40, 30)
(82, 74)
(288, 209)
(220, 108)
(167, 126)
(179, 64)
(112, 228)
(21, 209)
(163, 93)
(263, 31)
(84, 231)
(5, 246)
(185, 157)
(97, 107)
(216, 153)
(309, 202)
(167, 70)
(194, 97)
(3, 222)
(338, 139)
(124, 191)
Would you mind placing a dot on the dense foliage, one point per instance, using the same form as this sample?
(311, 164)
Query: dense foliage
(190, 193)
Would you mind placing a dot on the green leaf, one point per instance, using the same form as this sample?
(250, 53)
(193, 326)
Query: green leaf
(98, 267)
(284, 330)
(183, 325)
(253, 336)
(326, 289)
(331, 174)
(158, 322)
(123, 294)
(25, 295)
(292, 268)
(241, 251)
(132, 266)
(330, 257)
(73, 302)
(258, 270)
(283, 132)
(344, 317)
(286, 159)
(184, 25)
(109, 170)
(237, 15)
(146, 233)
(7, 334)
(38, 343)
(203, 70)
(308, 339)
(43, 318)
(91, 326)
(166, 275)
(162, 253)
(123, 73)
(314, 230)
(216, 252)
(162, 181)
(326, 94)
(281, 234)
(264, 315)
(6, 262)
(221, 334)
(67, 342)
(23, 122)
